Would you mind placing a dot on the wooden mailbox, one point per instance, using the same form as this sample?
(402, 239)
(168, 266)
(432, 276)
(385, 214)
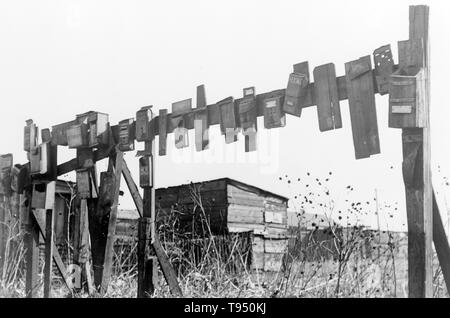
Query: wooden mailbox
(46, 163)
(59, 133)
(274, 116)
(143, 117)
(228, 119)
(407, 100)
(247, 109)
(145, 172)
(384, 67)
(98, 124)
(30, 136)
(201, 126)
(327, 97)
(180, 111)
(77, 136)
(126, 135)
(296, 89)
(407, 88)
(6, 162)
(201, 120)
(106, 191)
(46, 135)
(35, 160)
(361, 100)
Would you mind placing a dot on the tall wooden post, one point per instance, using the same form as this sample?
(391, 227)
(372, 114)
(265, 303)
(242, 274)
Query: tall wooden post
(49, 225)
(110, 239)
(32, 249)
(147, 263)
(31, 226)
(417, 172)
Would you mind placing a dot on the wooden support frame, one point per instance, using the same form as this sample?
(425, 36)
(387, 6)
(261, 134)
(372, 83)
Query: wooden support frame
(423, 222)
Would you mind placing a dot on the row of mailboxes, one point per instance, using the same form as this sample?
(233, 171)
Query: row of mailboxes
(90, 129)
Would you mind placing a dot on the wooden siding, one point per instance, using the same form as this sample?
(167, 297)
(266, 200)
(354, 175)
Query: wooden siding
(266, 216)
(230, 207)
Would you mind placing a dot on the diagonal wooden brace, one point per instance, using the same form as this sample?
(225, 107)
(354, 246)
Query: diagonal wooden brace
(167, 269)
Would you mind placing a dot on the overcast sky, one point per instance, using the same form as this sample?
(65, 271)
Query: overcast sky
(62, 58)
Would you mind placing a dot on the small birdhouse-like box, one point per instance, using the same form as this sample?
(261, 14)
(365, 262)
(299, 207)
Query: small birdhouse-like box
(407, 99)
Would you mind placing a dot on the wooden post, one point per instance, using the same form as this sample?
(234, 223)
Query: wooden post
(2, 231)
(81, 244)
(417, 175)
(32, 254)
(49, 225)
(98, 224)
(109, 251)
(441, 243)
(146, 263)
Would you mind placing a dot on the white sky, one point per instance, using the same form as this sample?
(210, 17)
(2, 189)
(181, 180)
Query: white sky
(62, 58)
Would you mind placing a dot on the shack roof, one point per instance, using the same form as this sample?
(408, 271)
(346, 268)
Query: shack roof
(239, 184)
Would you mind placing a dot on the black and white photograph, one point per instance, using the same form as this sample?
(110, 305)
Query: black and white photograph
(224, 155)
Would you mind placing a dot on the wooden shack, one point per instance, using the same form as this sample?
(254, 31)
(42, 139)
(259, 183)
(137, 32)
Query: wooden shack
(229, 206)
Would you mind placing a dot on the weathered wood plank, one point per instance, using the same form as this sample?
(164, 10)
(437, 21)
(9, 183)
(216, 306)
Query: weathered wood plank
(327, 97)
(361, 99)
(162, 132)
(275, 246)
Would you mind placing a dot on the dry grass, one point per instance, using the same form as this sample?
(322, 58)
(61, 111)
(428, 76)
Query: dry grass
(217, 267)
